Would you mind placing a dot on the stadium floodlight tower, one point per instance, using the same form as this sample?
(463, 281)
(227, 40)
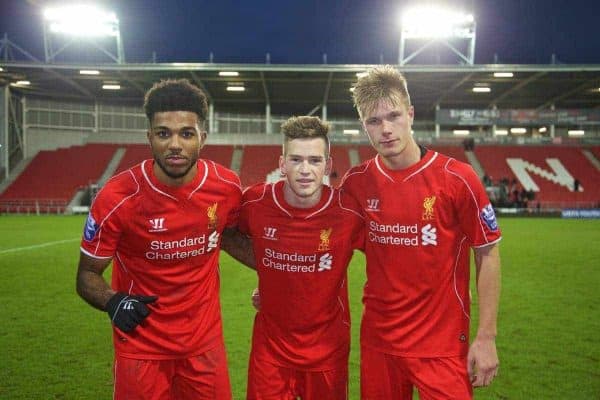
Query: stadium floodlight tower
(88, 22)
(429, 25)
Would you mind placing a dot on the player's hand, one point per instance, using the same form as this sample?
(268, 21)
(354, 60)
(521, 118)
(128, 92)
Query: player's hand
(482, 361)
(126, 312)
(256, 299)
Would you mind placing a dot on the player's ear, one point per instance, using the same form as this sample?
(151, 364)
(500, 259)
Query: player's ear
(202, 137)
(282, 165)
(328, 165)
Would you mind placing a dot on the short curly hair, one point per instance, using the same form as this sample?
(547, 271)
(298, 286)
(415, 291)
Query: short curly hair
(380, 83)
(175, 95)
(305, 127)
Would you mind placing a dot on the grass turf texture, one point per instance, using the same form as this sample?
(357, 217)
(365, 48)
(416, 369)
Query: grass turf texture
(54, 346)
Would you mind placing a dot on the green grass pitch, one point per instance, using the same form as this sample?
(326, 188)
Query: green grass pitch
(54, 346)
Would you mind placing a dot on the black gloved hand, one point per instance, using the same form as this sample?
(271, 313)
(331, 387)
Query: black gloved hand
(126, 312)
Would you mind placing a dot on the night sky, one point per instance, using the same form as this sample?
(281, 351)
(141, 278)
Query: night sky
(348, 31)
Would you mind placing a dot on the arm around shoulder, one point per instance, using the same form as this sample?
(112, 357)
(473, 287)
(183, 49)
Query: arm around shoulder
(238, 246)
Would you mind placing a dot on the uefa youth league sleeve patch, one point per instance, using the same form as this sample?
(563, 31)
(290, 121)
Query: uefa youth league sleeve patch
(489, 217)
(90, 229)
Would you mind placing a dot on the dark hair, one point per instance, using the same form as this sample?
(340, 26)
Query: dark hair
(175, 95)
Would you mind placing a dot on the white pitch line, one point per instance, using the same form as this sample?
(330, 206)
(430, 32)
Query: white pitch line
(37, 246)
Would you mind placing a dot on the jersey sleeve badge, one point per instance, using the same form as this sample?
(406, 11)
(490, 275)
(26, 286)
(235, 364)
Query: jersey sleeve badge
(489, 217)
(90, 229)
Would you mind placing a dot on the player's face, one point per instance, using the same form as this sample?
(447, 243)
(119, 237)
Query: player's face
(389, 130)
(304, 165)
(176, 139)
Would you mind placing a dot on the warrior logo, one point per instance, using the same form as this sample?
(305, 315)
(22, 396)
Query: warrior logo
(325, 234)
(372, 204)
(270, 233)
(213, 220)
(428, 203)
(157, 225)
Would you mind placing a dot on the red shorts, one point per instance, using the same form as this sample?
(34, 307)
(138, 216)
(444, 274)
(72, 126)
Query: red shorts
(385, 376)
(200, 377)
(267, 381)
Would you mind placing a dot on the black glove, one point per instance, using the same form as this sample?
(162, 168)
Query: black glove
(126, 312)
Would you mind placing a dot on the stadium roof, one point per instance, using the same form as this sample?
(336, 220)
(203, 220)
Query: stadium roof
(300, 89)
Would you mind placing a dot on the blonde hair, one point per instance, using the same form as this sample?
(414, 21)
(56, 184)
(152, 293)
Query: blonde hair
(305, 127)
(381, 83)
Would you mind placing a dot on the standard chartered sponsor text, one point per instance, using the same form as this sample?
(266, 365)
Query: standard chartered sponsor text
(390, 234)
(184, 248)
(289, 262)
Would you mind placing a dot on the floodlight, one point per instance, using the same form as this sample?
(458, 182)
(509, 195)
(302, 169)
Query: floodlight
(1, 69)
(518, 131)
(236, 88)
(229, 73)
(500, 132)
(89, 72)
(351, 89)
(543, 129)
(503, 74)
(82, 20)
(437, 24)
(576, 132)
(433, 22)
(351, 132)
(481, 89)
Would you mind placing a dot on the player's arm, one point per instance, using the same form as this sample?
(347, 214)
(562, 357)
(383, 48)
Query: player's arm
(125, 311)
(238, 246)
(91, 285)
(483, 358)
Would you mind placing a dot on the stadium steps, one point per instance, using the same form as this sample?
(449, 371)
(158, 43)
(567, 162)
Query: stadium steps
(134, 154)
(353, 156)
(14, 174)
(112, 166)
(236, 159)
(474, 163)
(588, 154)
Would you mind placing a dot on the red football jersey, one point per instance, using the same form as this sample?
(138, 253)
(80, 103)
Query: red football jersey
(302, 256)
(165, 241)
(421, 223)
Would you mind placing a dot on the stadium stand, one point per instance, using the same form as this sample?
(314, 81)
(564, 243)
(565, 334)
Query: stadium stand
(134, 154)
(552, 169)
(341, 164)
(365, 152)
(221, 154)
(53, 177)
(595, 151)
(456, 152)
(258, 162)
